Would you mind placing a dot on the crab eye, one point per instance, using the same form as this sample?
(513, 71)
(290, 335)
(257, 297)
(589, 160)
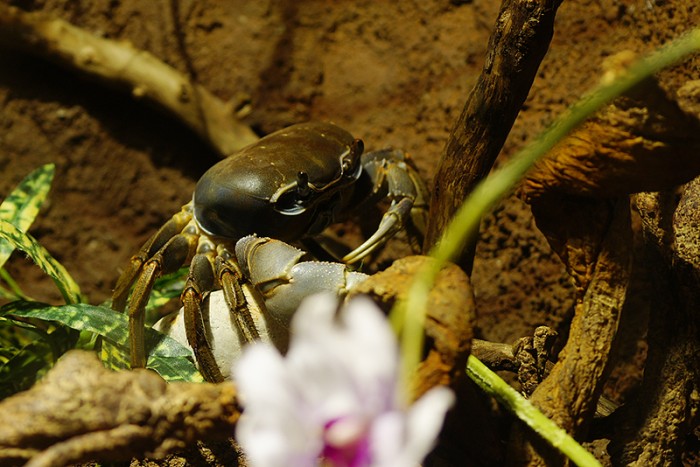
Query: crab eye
(295, 198)
(303, 189)
(289, 204)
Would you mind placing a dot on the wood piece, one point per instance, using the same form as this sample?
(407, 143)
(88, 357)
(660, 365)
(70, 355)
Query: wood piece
(119, 64)
(653, 427)
(643, 141)
(517, 45)
(81, 411)
(449, 323)
(593, 237)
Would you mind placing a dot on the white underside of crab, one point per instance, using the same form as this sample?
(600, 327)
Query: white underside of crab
(281, 281)
(224, 336)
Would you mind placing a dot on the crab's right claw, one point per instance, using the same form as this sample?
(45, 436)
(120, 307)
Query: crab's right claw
(394, 177)
(392, 221)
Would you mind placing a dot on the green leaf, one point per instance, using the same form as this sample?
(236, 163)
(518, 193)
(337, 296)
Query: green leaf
(8, 294)
(25, 354)
(14, 292)
(114, 356)
(37, 253)
(165, 289)
(21, 367)
(21, 206)
(175, 369)
(167, 356)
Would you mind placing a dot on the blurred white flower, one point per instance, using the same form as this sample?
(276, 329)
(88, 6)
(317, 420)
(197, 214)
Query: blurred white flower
(334, 399)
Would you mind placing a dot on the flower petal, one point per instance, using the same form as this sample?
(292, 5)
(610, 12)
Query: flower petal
(274, 429)
(404, 439)
(374, 363)
(261, 375)
(334, 394)
(352, 358)
(425, 419)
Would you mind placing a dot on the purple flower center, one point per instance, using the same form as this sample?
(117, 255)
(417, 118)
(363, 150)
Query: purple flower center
(346, 443)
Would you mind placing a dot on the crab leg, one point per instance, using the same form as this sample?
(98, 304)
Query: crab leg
(165, 261)
(200, 279)
(280, 281)
(394, 177)
(209, 265)
(170, 229)
(233, 284)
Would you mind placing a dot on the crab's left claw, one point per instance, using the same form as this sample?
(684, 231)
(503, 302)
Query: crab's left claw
(394, 177)
(276, 270)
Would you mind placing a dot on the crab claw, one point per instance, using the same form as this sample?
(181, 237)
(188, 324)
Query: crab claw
(393, 176)
(276, 271)
(392, 221)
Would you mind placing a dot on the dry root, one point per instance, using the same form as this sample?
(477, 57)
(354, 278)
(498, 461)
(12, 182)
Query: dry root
(580, 199)
(119, 64)
(81, 411)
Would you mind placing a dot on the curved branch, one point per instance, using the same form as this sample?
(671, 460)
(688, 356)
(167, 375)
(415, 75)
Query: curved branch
(81, 411)
(121, 65)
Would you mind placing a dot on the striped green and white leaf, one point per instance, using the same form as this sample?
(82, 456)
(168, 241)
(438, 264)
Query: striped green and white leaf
(21, 365)
(168, 357)
(21, 207)
(37, 253)
(165, 289)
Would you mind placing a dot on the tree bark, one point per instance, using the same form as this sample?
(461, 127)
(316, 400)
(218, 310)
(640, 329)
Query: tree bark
(518, 44)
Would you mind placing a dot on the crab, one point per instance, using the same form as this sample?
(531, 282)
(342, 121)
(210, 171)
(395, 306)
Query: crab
(235, 233)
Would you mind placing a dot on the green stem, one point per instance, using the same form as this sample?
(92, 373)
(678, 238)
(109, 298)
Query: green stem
(15, 289)
(493, 385)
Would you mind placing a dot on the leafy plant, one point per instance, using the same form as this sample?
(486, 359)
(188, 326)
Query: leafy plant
(33, 335)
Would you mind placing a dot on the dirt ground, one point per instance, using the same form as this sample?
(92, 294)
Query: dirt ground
(391, 73)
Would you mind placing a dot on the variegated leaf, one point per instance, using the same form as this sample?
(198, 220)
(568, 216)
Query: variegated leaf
(37, 253)
(21, 207)
(166, 355)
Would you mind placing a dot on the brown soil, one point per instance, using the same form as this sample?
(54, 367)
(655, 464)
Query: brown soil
(392, 73)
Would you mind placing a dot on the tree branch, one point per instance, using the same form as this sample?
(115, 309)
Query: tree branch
(121, 65)
(81, 411)
(517, 46)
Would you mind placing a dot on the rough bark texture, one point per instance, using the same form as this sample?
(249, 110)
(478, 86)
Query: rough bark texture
(593, 238)
(517, 46)
(449, 323)
(644, 141)
(653, 428)
(80, 411)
